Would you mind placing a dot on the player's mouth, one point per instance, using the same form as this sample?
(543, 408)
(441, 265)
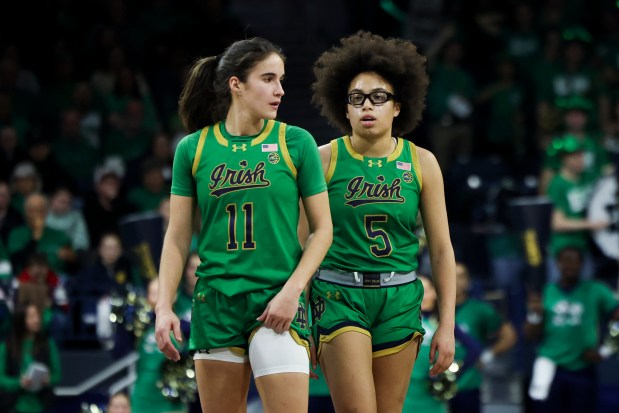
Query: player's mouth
(275, 105)
(368, 121)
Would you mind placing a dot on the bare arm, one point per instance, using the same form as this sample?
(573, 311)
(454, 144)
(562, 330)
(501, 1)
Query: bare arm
(303, 230)
(506, 339)
(315, 232)
(175, 250)
(442, 259)
(561, 223)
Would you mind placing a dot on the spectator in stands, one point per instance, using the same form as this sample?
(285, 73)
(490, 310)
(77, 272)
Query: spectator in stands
(450, 106)
(35, 235)
(119, 403)
(11, 116)
(570, 190)
(25, 180)
(490, 329)
(10, 218)
(65, 217)
(72, 141)
(576, 119)
(148, 196)
(11, 153)
(38, 283)
(27, 348)
(565, 320)
(104, 208)
(111, 273)
(40, 154)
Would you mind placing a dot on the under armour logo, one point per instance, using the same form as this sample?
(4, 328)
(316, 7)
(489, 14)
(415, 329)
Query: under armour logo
(335, 296)
(242, 147)
(372, 163)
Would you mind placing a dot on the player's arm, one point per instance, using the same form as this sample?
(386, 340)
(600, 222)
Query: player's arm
(434, 216)
(173, 256)
(318, 235)
(303, 230)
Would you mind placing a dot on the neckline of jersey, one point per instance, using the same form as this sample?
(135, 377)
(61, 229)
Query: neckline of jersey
(391, 157)
(223, 136)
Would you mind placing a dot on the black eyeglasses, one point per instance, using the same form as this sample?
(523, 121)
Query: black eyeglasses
(357, 99)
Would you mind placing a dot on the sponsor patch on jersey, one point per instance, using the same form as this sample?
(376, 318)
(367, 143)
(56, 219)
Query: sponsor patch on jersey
(273, 157)
(407, 177)
(269, 147)
(405, 166)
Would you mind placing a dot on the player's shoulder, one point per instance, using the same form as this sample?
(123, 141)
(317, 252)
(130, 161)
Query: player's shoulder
(190, 139)
(297, 133)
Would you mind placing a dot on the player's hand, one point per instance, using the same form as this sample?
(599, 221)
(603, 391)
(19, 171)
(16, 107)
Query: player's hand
(280, 312)
(442, 350)
(165, 322)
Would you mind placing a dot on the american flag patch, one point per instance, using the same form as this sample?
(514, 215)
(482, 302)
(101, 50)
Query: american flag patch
(269, 147)
(403, 165)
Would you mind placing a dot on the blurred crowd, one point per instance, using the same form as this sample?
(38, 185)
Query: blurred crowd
(523, 102)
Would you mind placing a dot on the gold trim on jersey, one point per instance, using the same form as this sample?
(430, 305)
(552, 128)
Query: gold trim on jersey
(416, 165)
(398, 150)
(392, 156)
(239, 351)
(267, 129)
(257, 140)
(284, 148)
(345, 329)
(198, 155)
(220, 138)
(333, 161)
(351, 150)
(396, 349)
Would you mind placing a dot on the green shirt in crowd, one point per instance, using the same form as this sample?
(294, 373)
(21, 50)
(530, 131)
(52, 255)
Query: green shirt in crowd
(572, 319)
(28, 402)
(481, 321)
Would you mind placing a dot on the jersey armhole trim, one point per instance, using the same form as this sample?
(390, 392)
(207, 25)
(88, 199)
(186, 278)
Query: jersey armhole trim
(416, 165)
(332, 161)
(198, 156)
(284, 149)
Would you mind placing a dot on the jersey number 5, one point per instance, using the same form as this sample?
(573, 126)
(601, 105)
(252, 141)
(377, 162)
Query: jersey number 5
(248, 226)
(377, 233)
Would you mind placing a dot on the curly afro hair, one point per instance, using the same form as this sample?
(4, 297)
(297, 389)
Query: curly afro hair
(396, 60)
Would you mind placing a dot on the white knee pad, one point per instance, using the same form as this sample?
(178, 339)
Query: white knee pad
(221, 354)
(272, 353)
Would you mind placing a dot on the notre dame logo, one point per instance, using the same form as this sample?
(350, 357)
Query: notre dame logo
(301, 316)
(318, 308)
(273, 157)
(407, 177)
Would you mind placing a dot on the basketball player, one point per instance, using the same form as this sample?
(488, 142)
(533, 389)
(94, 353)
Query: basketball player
(245, 171)
(366, 297)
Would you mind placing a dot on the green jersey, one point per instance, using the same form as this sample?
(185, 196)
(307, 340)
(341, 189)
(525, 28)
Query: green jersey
(572, 319)
(247, 189)
(481, 321)
(572, 199)
(374, 202)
